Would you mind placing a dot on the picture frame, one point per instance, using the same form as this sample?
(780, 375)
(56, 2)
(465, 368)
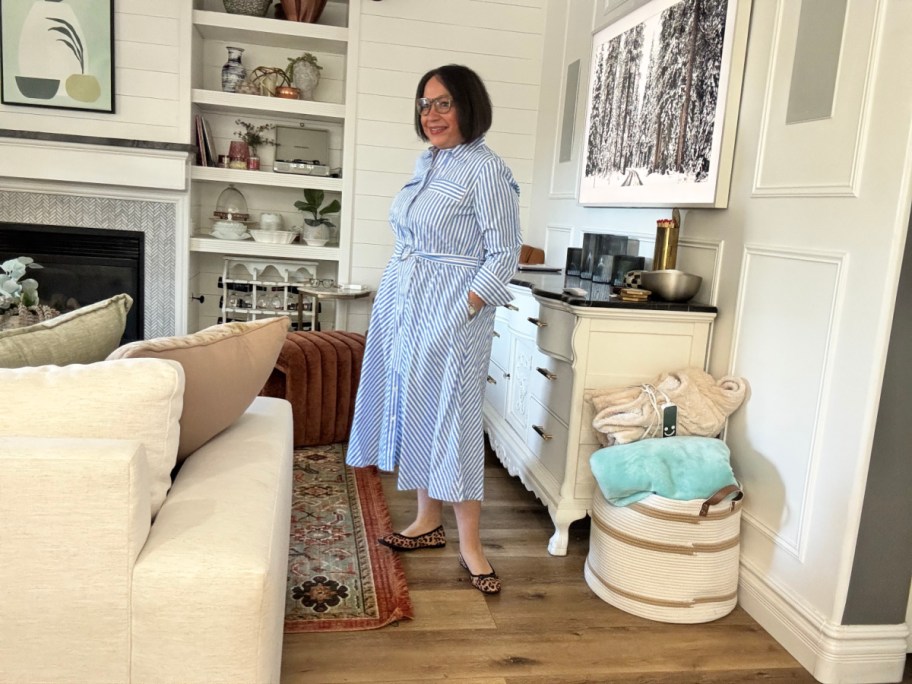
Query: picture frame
(662, 106)
(58, 54)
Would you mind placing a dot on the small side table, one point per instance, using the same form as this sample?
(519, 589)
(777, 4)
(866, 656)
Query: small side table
(316, 293)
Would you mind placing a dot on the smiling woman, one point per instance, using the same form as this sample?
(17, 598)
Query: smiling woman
(457, 244)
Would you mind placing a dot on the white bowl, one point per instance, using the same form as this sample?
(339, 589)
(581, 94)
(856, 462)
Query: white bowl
(230, 236)
(276, 237)
(314, 242)
(229, 227)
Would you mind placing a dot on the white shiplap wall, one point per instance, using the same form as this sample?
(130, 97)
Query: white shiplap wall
(152, 95)
(399, 41)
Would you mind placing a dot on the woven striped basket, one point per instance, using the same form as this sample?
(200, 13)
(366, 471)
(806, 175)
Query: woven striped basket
(667, 560)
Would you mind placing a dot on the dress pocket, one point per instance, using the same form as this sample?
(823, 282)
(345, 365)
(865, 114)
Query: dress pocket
(449, 189)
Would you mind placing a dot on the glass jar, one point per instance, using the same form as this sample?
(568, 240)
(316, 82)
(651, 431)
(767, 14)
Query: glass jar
(231, 205)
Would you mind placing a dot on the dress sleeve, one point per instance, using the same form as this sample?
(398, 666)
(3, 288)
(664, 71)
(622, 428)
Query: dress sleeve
(497, 212)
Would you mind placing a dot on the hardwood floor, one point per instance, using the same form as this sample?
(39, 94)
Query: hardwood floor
(546, 627)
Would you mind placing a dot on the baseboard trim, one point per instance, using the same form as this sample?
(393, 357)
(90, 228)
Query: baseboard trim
(833, 654)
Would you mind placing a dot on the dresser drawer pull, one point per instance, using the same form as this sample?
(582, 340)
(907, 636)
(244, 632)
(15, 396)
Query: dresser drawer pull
(541, 432)
(491, 381)
(506, 376)
(536, 321)
(496, 334)
(511, 307)
(548, 374)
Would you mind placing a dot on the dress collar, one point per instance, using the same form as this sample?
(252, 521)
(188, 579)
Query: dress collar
(460, 150)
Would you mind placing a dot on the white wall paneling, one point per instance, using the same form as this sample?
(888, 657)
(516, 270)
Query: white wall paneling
(565, 173)
(557, 239)
(784, 348)
(820, 157)
(833, 653)
(703, 257)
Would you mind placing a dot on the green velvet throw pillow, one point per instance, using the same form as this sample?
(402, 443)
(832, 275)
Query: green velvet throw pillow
(85, 335)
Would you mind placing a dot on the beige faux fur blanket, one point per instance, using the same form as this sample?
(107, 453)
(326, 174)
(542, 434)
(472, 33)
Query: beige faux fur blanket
(626, 414)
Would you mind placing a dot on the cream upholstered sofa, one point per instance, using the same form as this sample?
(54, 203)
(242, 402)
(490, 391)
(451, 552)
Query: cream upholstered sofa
(109, 572)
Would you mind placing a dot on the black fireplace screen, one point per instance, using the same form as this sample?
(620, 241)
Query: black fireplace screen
(81, 266)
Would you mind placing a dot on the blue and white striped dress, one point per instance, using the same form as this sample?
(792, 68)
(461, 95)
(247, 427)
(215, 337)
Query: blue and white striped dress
(423, 378)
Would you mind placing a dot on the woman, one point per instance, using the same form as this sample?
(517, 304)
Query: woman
(422, 382)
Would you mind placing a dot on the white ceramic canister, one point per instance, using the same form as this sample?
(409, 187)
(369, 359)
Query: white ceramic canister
(270, 221)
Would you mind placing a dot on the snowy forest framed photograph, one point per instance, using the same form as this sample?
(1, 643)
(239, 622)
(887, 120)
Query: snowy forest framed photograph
(662, 110)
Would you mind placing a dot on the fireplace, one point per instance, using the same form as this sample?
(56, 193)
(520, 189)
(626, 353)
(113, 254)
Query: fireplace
(154, 216)
(82, 266)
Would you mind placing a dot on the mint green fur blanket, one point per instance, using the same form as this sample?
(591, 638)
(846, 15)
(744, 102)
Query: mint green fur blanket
(682, 468)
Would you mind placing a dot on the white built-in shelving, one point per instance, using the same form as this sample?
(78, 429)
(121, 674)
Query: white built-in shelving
(269, 42)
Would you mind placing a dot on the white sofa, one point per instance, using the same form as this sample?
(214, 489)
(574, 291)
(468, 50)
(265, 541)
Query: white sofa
(111, 573)
(93, 593)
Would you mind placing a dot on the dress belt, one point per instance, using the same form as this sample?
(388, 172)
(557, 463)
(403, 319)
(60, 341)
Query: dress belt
(454, 259)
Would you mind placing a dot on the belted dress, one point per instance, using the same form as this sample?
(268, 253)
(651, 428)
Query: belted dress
(418, 406)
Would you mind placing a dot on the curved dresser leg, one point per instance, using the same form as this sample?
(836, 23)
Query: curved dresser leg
(557, 545)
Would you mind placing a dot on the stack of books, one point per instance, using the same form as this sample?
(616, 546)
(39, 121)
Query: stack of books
(633, 294)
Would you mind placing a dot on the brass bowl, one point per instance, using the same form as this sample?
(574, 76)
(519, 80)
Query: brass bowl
(288, 92)
(671, 285)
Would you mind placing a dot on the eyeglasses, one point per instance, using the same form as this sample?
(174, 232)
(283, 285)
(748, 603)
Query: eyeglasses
(441, 105)
(317, 282)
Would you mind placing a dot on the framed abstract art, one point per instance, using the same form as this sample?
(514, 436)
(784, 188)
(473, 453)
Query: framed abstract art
(662, 110)
(57, 53)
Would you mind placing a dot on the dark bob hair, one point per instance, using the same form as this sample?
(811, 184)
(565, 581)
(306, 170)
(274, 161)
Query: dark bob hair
(473, 104)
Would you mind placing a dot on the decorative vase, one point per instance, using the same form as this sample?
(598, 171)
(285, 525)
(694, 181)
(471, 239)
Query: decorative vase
(308, 11)
(306, 78)
(233, 72)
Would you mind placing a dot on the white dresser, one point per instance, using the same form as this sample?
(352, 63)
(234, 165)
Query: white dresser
(545, 354)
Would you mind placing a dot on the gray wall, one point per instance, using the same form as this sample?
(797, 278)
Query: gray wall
(879, 585)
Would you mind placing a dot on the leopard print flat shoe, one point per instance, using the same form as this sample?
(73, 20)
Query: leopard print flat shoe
(429, 540)
(488, 583)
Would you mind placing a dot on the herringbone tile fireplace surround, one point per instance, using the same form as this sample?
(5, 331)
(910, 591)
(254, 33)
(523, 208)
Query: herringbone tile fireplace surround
(156, 219)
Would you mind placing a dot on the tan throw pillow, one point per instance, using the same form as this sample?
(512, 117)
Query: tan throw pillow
(226, 366)
(85, 335)
(132, 399)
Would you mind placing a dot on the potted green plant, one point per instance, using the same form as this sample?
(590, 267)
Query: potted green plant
(318, 229)
(255, 139)
(304, 72)
(254, 136)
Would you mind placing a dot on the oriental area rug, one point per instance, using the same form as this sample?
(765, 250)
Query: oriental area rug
(339, 577)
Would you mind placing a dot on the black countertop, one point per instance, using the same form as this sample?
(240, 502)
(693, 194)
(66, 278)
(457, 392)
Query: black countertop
(551, 286)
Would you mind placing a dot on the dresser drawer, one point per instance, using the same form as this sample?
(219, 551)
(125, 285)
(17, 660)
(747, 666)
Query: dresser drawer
(551, 384)
(496, 388)
(555, 332)
(523, 307)
(500, 343)
(546, 438)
